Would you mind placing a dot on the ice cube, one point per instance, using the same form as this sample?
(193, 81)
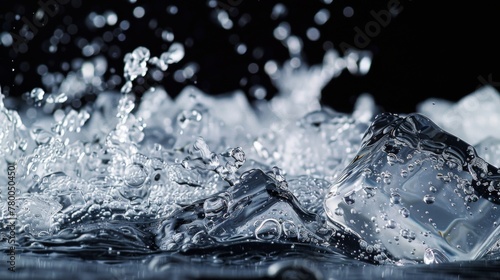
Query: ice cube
(414, 187)
(258, 209)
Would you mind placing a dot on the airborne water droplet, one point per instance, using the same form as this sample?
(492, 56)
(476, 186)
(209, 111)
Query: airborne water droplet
(37, 95)
(136, 63)
(176, 53)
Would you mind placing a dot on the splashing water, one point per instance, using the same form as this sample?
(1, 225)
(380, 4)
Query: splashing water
(197, 179)
(221, 179)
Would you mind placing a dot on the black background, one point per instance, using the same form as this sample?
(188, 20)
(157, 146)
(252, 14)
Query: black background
(430, 49)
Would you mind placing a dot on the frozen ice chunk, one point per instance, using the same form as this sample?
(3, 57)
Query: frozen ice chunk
(474, 118)
(259, 209)
(414, 190)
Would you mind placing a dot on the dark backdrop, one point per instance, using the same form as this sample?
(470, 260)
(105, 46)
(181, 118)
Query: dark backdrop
(430, 49)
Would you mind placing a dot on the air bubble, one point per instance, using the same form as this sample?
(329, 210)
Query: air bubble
(339, 211)
(349, 198)
(429, 199)
(395, 198)
(268, 230)
(404, 212)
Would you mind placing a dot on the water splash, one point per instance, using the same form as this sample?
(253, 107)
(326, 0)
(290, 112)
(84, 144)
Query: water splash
(197, 173)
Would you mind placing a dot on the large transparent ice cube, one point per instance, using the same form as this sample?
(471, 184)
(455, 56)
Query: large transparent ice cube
(417, 191)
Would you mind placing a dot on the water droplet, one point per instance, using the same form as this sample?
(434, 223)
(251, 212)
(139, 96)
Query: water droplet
(322, 16)
(367, 172)
(187, 118)
(392, 159)
(136, 63)
(363, 244)
(279, 10)
(471, 198)
(404, 173)
(390, 224)
(370, 191)
(411, 167)
(37, 95)
(429, 256)
(407, 234)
